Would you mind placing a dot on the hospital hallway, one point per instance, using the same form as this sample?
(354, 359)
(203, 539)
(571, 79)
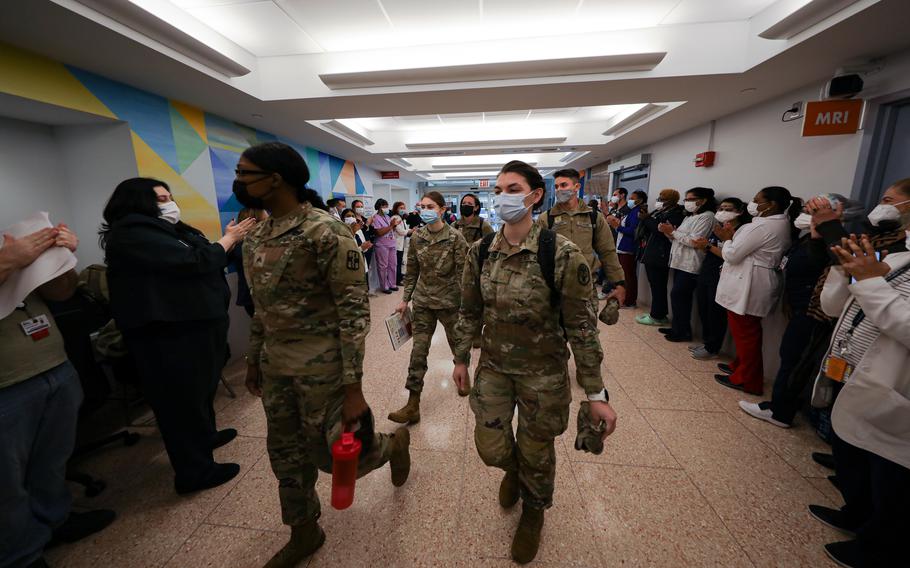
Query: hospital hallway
(687, 479)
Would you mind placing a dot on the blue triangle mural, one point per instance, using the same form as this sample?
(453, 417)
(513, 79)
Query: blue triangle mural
(358, 183)
(148, 115)
(223, 164)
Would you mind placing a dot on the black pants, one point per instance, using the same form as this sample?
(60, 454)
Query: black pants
(792, 346)
(788, 396)
(877, 499)
(180, 366)
(682, 295)
(398, 267)
(657, 281)
(713, 316)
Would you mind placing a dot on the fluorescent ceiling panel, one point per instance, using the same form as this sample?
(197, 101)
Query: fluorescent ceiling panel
(262, 28)
(348, 133)
(572, 157)
(634, 119)
(804, 17)
(400, 162)
(485, 143)
(495, 71)
(699, 11)
(473, 175)
(471, 167)
(157, 26)
(340, 25)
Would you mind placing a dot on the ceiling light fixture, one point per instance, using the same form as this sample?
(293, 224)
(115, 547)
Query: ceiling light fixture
(484, 143)
(346, 132)
(151, 25)
(470, 167)
(634, 119)
(572, 157)
(400, 162)
(476, 175)
(495, 71)
(805, 17)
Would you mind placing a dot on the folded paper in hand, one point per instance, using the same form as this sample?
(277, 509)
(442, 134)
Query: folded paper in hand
(399, 327)
(52, 263)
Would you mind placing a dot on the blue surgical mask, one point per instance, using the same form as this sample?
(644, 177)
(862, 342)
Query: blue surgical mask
(429, 216)
(510, 207)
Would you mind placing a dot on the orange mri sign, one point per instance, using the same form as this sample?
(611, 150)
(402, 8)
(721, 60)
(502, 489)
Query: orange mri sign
(827, 118)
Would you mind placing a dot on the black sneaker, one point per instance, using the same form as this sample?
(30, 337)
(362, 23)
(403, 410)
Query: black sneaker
(823, 459)
(677, 338)
(665, 330)
(221, 473)
(724, 368)
(223, 437)
(834, 481)
(834, 518)
(81, 525)
(847, 554)
(725, 380)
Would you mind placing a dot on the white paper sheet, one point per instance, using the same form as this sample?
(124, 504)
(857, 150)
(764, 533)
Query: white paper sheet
(51, 264)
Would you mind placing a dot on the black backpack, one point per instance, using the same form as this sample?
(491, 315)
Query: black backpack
(551, 220)
(546, 258)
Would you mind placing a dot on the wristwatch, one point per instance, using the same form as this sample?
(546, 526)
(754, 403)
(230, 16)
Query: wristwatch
(602, 396)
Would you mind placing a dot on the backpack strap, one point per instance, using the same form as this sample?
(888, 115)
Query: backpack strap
(594, 230)
(550, 220)
(484, 252)
(546, 258)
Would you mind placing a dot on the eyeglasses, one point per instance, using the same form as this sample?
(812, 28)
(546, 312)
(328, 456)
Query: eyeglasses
(239, 172)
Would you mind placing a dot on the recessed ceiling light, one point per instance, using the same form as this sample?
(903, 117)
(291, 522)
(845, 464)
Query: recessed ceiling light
(483, 143)
(634, 119)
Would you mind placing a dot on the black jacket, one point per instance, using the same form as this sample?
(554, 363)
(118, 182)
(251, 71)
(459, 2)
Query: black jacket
(160, 272)
(657, 247)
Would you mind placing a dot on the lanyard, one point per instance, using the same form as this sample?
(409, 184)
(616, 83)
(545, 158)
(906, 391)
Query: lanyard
(861, 315)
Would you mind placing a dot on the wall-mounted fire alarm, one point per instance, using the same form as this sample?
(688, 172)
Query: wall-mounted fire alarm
(705, 159)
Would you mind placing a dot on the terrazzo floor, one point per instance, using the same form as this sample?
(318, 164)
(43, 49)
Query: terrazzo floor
(686, 480)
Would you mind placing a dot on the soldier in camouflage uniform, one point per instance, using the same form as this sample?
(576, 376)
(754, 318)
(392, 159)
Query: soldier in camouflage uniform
(572, 218)
(433, 281)
(523, 360)
(473, 227)
(306, 351)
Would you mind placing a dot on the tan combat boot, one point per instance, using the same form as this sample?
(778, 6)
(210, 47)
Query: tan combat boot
(305, 540)
(410, 412)
(527, 536)
(509, 490)
(400, 460)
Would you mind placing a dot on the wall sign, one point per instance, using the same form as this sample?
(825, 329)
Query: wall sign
(828, 118)
(484, 183)
(389, 175)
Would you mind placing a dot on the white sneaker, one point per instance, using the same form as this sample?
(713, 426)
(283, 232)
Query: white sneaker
(695, 347)
(754, 410)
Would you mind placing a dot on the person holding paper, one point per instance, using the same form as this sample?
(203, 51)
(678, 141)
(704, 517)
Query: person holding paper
(433, 281)
(40, 397)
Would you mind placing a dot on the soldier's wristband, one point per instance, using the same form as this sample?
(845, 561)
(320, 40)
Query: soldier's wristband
(602, 396)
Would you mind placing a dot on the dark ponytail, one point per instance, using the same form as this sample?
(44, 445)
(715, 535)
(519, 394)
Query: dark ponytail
(279, 158)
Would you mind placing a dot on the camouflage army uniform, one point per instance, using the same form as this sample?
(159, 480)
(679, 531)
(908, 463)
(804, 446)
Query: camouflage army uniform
(576, 226)
(306, 277)
(433, 283)
(475, 230)
(524, 356)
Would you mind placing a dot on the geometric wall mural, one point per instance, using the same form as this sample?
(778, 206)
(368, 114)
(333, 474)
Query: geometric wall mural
(195, 152)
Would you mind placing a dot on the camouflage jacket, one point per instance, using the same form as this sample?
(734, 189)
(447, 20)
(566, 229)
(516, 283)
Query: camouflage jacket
(522, 333)
(475, 230)
(305, 273)
(435, 264)
(576, 226)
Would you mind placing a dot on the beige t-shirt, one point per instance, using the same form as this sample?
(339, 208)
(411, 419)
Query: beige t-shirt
(21, 357)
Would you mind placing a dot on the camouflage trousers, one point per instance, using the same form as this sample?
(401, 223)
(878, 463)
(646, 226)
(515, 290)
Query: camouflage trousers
(423, 326)
(304, 420)
(543, 413)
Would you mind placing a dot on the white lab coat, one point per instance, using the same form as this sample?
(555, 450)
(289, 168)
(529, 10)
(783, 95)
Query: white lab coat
(683, 255)
(872, 411)
(750, 283)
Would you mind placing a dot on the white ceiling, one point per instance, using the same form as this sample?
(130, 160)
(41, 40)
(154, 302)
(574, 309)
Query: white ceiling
(715, 64)
(294, 27)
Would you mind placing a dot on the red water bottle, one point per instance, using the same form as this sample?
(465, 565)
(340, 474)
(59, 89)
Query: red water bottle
(345, 454)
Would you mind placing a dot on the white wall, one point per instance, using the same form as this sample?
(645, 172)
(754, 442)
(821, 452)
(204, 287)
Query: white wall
(31, 176)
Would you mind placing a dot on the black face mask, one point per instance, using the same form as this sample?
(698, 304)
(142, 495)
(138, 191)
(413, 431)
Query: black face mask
(243, 196)
(467, 210)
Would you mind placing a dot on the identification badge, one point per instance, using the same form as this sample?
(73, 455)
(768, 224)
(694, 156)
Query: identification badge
(783, 263)
(837, 369)
(37, 327)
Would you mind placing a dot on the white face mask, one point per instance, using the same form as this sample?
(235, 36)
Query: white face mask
(725, 216)
(803, 222)
(360, 211)
(350, 220)
(510, 207)
(658, 204)
(615, 199)
(564, 196)
(885, 212)
(752, 208)
(169, 212)
(691, 206)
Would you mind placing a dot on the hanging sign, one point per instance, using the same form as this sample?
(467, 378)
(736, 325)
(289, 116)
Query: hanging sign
(828, 118)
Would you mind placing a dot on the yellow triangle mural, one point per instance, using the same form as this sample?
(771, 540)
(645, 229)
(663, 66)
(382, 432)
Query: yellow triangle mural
(194, 116)
(195, 209)
(345, 183)
(35, 77)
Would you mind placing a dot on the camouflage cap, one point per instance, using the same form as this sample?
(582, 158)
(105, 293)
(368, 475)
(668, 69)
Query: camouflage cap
(610, 314)
(590, 437)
